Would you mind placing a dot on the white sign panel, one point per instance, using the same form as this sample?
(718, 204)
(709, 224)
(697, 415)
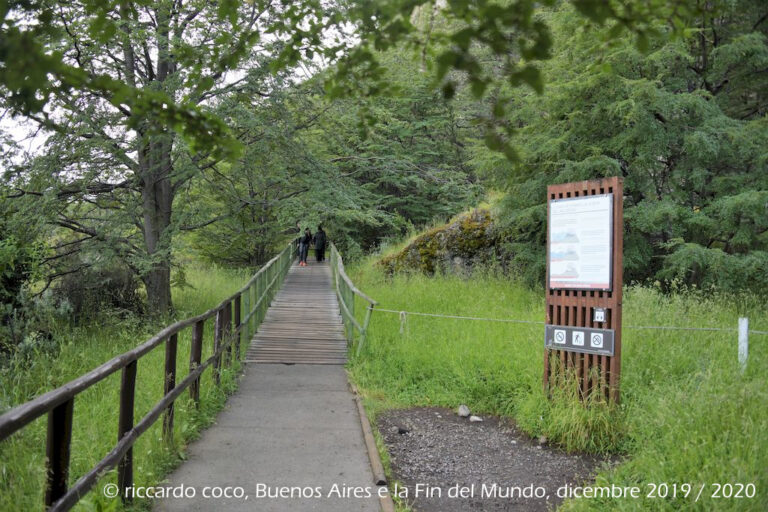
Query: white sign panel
(580, 242)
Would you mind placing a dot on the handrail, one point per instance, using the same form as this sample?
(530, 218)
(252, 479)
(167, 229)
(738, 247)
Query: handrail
(345, 292)
(351, 285)
(59, 402)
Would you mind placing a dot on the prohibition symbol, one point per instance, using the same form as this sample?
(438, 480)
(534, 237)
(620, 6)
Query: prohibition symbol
(597, 340)
(560, 336)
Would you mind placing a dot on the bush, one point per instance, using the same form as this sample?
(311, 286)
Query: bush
(93, 290)
(695, 265)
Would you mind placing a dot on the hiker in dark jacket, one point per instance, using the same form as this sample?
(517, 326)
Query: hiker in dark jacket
(320, 241)
(304, 242)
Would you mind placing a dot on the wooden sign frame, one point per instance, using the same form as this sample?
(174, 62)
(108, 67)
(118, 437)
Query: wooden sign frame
(574, 307)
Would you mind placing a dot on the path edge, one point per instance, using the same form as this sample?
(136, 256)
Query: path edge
(377, 468)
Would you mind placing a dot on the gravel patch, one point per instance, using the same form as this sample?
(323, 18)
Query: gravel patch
(434, 453)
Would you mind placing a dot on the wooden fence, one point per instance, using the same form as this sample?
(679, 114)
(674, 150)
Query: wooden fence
(346, 293)
(253, 300)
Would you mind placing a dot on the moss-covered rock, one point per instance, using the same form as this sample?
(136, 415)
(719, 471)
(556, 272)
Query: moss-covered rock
(455, 247)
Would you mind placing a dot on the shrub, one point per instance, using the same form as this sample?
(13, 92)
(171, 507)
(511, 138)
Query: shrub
(98, 289)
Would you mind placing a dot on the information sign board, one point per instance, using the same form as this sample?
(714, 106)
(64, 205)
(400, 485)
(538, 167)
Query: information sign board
(585, 241)
(581, 242)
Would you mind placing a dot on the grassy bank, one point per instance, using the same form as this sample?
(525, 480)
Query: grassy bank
(687, 413)
(22, 456)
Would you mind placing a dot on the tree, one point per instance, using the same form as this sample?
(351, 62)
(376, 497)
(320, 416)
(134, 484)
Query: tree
(21, 253)
(115, 167)
(278, 180)
(33, 69)
(411, 162)
(684, 124)
(454, 38)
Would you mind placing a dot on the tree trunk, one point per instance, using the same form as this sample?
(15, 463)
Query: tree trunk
(158, 285)
(157, 201)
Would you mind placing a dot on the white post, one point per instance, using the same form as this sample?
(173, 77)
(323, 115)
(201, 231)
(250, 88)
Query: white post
(743, 342)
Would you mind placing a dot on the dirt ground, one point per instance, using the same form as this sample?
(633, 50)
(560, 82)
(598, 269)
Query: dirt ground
(437, 451)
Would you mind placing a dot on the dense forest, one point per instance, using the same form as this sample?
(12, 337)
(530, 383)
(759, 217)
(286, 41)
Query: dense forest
(143, 137)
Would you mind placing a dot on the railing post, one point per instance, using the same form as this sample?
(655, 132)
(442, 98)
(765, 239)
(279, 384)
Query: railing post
(351, 306)
(195, 355)
(743, 343)
(228, 333)
(216, 343)
(57, 451)
(254, 299)
(171, 345)
(124, 425)
(238, 327)
(360, 344)
(247, 311)
(268, 284)
(262, 292)
(256, 304)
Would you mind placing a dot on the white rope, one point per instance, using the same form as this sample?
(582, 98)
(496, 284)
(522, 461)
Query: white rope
(402, 314)
(680, 328)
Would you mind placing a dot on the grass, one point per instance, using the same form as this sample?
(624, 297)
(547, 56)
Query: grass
(687, 413)
(22, 456)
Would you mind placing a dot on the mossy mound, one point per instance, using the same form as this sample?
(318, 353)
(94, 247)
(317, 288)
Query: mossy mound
(455, 247)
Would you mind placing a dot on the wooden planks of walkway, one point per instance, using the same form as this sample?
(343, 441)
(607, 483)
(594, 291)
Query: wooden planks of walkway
(303, 325)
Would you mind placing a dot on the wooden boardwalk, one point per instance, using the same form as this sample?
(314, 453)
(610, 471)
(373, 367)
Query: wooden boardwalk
(303, 325)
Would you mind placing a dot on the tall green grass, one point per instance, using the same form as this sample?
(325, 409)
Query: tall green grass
(687, 414)
(22, 456)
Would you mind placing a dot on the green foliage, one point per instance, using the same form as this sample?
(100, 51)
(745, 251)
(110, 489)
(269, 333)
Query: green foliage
(458, 37)
(134, 89)
(684, 125)
(94, 291)
(408, 166)
(278, 181)
(37, 66)
(21, 255)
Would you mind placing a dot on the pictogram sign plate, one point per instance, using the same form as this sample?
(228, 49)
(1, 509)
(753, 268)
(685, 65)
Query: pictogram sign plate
(579, 339)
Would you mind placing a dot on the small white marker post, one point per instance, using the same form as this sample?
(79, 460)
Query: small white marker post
(743, 342)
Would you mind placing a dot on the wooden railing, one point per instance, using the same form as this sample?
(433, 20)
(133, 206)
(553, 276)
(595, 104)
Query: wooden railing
(346, 292)
(253, 299)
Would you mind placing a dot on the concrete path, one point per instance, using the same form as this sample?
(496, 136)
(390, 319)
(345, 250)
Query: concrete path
(290, 428)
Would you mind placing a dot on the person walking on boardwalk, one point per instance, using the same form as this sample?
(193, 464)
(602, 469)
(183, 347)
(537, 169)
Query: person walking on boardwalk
(304, 242)
(320, 244)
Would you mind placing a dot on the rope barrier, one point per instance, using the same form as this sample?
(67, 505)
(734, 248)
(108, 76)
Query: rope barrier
(403, 314)
(507, 320)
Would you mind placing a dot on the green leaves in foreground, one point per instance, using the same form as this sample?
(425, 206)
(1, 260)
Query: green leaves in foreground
(458, 34)
(35, 66)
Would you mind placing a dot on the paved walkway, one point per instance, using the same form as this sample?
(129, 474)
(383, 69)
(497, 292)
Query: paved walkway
(288, 426)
